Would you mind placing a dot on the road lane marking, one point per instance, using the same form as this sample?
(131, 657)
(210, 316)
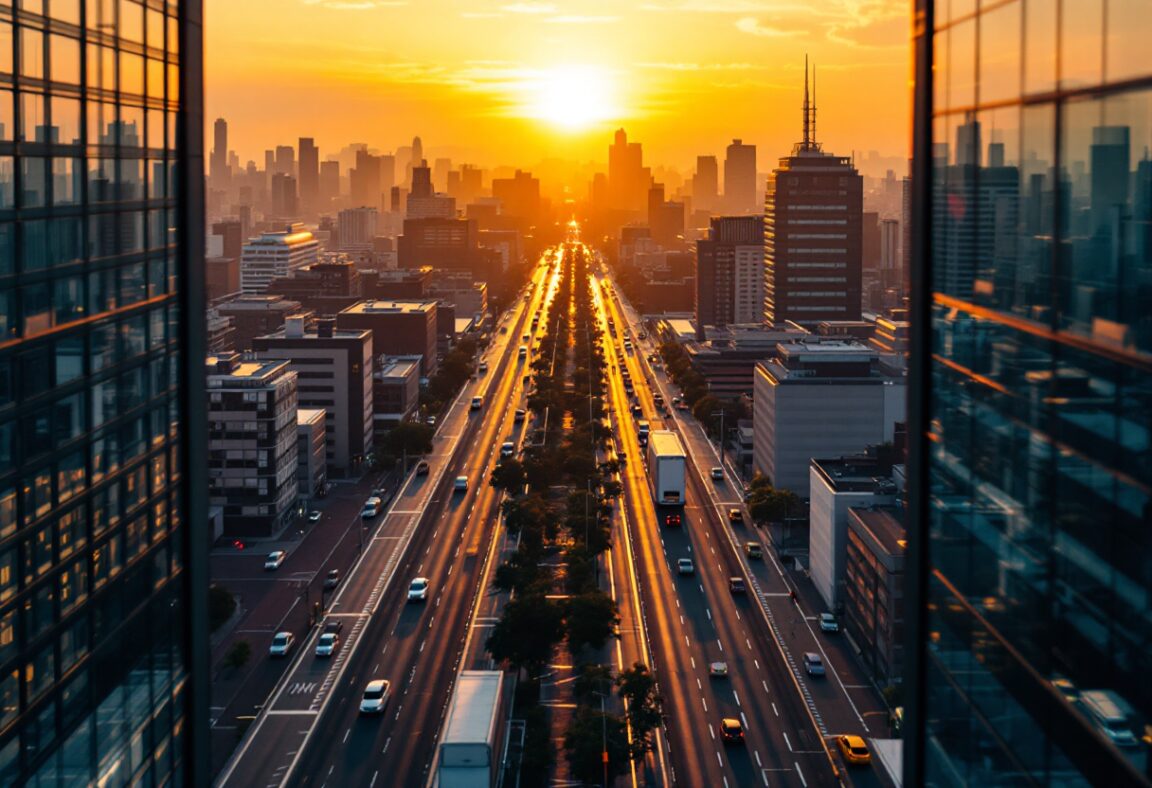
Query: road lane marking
(787, 740)
(737, 698)
(802, 780)
(758, 761)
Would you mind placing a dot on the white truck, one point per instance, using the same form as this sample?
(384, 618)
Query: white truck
(470, 745)
(666, 468)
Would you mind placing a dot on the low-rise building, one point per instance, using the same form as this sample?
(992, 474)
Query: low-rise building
(311, 453)
(399, 328)
(252, 443)
(395, 392)
(256, 315)
(276, 254)
(874, 590)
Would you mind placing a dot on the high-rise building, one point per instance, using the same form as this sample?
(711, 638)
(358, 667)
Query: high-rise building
(329, 182)
(812, 233)
(276, 254)
(309, 176)
(706, 183)
(252, 444)
(519, 197)
(285, 204)
(1030, 552)
(103, 549)
(423, 202)
(286, 160)
(218, 164)
(730, 272)
(628, 178)
(364, 179)
(357, 227)
(740, 179)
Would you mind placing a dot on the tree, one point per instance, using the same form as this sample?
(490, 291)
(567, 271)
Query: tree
(705, 408)
(526, 633)
(592, 678)
(589, 619)
(771, 505)
(237, 656)
(509, 476)
(638, 689)
(410, 437)
(221, 606)
(589, 734)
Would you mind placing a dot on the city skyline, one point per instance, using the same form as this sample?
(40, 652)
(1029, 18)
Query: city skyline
(707, 72)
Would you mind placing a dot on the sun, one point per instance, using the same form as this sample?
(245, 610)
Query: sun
(573, 97)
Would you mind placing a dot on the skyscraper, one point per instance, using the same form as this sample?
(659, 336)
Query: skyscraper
(740, 179)
(309, 178)
(705, 183)
(730, 272)
(218, 165)
(1031, 489)
(812, 233)
(628, 178)
(103, 557)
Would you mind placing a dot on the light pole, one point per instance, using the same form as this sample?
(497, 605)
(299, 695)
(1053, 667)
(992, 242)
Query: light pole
(603, 734)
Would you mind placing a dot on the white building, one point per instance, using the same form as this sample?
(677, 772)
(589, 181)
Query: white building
(277, 254)
(748, 290)
(358, 228)
(820, 399)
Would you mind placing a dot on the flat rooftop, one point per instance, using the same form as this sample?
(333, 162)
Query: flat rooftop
(399, 369)
(222, 373)
(309, 415)
(854, 474)
(884, 524)
(371, 307)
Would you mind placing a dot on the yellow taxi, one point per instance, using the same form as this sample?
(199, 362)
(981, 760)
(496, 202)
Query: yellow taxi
(854, 750)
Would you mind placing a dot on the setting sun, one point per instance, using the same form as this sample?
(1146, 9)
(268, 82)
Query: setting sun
(573, 97)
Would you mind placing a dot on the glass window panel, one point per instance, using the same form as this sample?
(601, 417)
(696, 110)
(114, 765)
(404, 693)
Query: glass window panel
(103, 339)
(131, 26)
(31, 53)
(69, 298)
(101, 123)
(32, 117)
(155, 128)
(131, 179)
(10, 704)
(132, 126)
(69, 357)
(102, 15)
(1081, 43)
(8, 577)
(1127, 45)
(7, 196)
(7, 446)
(65, 11)
(7, 512)
(172, 44)
(1040, 46)
(7, 116)
(66, 120)
(6, 48)
(173, 85)
(34, 182)
(32, 6)
(131, 74)
(101, 174)
(65, 59)
(7, 636)
(64, 242)
(1000, 54)
(155, 78)
(101, 67)
(65, 181)
(37, 309)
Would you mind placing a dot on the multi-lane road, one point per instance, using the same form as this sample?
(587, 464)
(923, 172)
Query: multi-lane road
(309, 731)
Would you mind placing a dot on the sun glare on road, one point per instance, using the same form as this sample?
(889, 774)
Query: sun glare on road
(573, 97)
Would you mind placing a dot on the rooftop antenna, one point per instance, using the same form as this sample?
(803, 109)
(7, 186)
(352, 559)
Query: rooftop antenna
(807, 134)
(813, 104)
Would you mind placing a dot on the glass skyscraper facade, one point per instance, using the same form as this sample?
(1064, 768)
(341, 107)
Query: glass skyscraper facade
(100, 329)
(1031, 548)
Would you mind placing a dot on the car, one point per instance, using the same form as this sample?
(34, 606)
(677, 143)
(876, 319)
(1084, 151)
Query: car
(332, 579)
(522, 351)
(854, 750)
(685, 566)
(526, 338)
(503, 329)
(828, 623)
(736, 585)
(813, 664)
(735, 516)
(507, 449)
(672, 520)
(282, 643)
(641, 335)
(418, 590)
(375, 696)
(422, 468)
(327, 645)
(483, 367)
(518, 416)
(1069, 691)
(477, 402)
(461, 484)
(431, 421)
(637, 411)
(753, 550)
(274, 560)
(314, 516)
(718, 670)
(333, 625)
(717, 474)
(731, 731)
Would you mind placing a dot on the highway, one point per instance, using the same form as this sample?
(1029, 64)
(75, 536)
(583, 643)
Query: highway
(311, 733)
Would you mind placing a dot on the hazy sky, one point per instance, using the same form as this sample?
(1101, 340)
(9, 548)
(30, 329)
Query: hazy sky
(498, 82)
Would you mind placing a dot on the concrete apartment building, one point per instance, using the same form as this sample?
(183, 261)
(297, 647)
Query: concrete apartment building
(256, 315)
(874, 590)
(276, 254)
(730, 272)
(335, 373)
(399, 328)
(395, 391)
(820, 399)
(252, 443)
(311, 451)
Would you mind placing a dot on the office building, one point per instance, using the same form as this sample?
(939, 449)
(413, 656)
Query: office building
(438, 242)
(730, 272)
(230, 235)
(256, 315)
(218, 162)
(1031, 489)
(396, 392)
(365, 180)
(103, 557)
(252, 444)
(329, 183)
(740, 179)
(873, 602)
(324, 288)
(222, 276)
(286, 160)
(423, 202)
(519, 197)
(457, 287)
(276, 254)
(628, 178)
(309, 175)
(311, 451)
(820, 399)
(399, 284)
(706, 183)
(812, 233)
(399, 328)
(283, 199)
(334, 370)
(357, 228)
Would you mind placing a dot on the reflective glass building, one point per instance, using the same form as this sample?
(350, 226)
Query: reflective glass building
(101, 394)
(1031, 551)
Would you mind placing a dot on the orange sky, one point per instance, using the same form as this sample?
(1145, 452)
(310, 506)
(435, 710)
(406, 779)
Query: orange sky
(495, 81)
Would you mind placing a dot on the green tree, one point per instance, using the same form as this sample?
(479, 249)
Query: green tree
(237, 656)
(589, 619)
(589, 735)
(638, 689)
(772, 505)
(536, 762)
(526, 633)
(221, 606)
(509, 476)
(409, 437)
(705, 408)
(592, 678)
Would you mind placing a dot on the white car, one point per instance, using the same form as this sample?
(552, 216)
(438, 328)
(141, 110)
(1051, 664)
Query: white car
(282, 644)
(461, 484)
(327, 644)
(718, 669)
(828, 623)
(314, 516)
(717, 474)
(477, 402)
(418, 590)
(274, 560)
(375, 697)
(507, 449)
(685, 566)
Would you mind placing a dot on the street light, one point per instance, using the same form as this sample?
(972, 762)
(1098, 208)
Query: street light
(603, 733)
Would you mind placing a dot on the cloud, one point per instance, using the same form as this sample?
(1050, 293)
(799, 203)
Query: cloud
(529, 8)
(752, 26)
(700, 66)
(356, 5)
(579, 19)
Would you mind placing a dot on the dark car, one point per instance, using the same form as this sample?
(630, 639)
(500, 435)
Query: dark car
(731, 731)
(672, 520)
(422, 468)
(736, 585)
(333, 579)
(333, 626)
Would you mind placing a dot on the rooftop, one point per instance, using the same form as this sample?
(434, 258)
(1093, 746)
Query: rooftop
(371, 307)
(230, 370)
(861, 474)
(309, 415)
(399, 368)
(883, 523)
